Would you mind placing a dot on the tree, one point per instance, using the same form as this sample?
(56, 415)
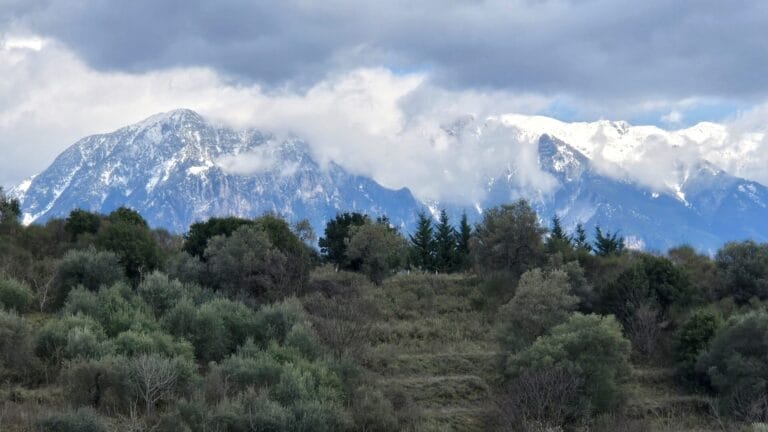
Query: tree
(89, 268)
(542, 301)
(463, 239)
(423, 244)
(590, 347)
(10, 209)
(81, 222)
(246, 265)
(508, 239)
(580, 241)
(15, 295)
(333, 246)
(132, 242)
(608, 243)
(736, 364)
(700, 270)
(743, 269)
(693, 338)
(558, 240)
(153, 379)
(378, 249)
(196, 240)
(445, 245)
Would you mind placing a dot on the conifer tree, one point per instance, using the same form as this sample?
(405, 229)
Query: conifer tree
(580, 241)
(608, 243)
(445, 245)
(558, 240)
(462, 243)
(423, 244)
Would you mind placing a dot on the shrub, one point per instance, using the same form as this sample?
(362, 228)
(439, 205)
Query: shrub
(693, 338)
(16, 353)
(101, 383)
(159, 292)
(736, 364)
(120, 310)
(89, 268)
(82, 301)
(371, 411)
(541, 301)
(743, 269)
(132, 342)
(54, 338)
(82, 420)
(591, 348)
(15, 295)
(186, 268)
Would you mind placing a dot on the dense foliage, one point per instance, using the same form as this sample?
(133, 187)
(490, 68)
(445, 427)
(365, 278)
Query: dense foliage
(241, 324)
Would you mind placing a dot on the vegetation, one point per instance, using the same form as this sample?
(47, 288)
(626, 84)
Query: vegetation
(109, 325)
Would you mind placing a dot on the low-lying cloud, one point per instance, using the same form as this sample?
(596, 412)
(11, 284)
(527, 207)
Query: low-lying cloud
(402, 129)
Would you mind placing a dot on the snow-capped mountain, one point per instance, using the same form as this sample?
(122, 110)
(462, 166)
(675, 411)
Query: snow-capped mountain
(176, 168)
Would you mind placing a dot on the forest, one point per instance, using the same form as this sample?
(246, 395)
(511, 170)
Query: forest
(512, 324)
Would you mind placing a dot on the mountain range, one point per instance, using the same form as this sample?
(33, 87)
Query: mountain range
(176, 168)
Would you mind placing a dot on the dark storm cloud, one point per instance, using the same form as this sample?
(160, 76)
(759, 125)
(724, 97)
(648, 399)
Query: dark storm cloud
(605, 49)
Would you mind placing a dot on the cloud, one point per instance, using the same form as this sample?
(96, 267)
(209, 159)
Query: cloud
(612, 52)
(399, 129)
(404, 129)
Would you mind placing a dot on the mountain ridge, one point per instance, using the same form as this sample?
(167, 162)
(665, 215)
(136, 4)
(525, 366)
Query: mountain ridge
(177, 168)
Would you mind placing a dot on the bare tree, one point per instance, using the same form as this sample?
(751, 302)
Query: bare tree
(546, 397)
(643, 328)
(153, 378)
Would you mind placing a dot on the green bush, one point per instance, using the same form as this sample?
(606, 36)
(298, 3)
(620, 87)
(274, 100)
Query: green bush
(160, 293)
(743, 270)
(80, 300)
(121, 310)
(55, 336)
(16, 346)
(371, 411)
(133, 342)
(89, 268)
(736, 364)
(541, 301)
(82, 420)
(101, 383)
(589, 347)
(15, 295)
(693, 338)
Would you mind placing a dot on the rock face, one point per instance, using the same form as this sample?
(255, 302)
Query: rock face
(170, 168)
(176, 168)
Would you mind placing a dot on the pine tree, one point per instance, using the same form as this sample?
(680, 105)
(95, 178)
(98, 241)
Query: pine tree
(423, 244)
(608, 243)
(462, 243)
(580, 241)
(445, 245)
(558, 240)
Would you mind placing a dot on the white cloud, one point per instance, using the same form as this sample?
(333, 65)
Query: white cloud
(674, 117)
(400, 129)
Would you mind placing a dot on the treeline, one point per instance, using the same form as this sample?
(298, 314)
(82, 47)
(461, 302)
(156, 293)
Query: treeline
(240, 324)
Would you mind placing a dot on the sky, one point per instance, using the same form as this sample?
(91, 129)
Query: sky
(364, 80)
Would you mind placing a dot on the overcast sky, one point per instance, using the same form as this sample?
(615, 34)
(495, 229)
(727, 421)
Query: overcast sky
(69, 68)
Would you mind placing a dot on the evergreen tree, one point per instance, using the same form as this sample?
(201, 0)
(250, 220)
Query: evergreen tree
(423, 244)
(580, 241)
(608, 243)
(445, 244)
(333, 246)
(462, 243)
(10, 209)
(558, 240)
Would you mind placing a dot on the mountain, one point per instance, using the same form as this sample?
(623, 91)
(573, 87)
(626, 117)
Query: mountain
(171, 168)
(176, 168)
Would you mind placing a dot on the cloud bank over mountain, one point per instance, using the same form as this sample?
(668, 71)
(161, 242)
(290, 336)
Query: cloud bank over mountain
(401, 129)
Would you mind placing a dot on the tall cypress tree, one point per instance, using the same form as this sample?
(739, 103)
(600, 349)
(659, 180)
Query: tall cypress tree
(462, 244)
(423, 244)
(445, 245)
